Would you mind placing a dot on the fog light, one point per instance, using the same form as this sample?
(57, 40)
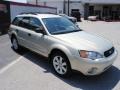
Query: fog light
(92, 70)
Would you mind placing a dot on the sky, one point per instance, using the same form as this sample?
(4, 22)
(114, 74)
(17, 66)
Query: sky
(24, 1)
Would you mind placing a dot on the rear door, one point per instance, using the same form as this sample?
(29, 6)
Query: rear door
(21, 26)
(17, 29)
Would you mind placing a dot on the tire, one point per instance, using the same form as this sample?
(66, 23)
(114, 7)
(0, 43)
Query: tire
(60, 64)
(15, 44)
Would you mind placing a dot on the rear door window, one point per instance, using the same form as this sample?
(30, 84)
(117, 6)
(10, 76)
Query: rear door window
(25, 23)
(17, 20)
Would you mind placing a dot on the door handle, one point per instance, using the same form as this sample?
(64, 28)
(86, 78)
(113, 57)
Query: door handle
(29, 34)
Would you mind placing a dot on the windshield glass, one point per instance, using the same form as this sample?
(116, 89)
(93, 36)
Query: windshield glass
(59, 25)
(63, 15)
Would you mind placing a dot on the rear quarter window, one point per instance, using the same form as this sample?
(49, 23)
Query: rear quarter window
(16, 21)
(24, 23)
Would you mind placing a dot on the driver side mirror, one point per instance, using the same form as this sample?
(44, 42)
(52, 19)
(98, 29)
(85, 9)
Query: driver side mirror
(40, 30)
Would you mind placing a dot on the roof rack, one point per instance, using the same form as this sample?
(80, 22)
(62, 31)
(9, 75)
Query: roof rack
(35, 13)
(28, 13)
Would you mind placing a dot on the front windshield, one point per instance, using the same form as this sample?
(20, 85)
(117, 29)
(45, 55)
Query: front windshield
(63, 15)
(59, 25)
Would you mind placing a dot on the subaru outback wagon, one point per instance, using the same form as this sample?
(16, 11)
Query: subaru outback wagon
(66, 45)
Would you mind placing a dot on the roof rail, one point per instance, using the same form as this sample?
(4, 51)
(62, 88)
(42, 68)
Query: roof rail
(28, 13)
(35, 13)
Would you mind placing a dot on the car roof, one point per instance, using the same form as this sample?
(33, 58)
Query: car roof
(38, 15)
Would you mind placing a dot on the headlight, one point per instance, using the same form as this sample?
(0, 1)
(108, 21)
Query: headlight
(90, 54)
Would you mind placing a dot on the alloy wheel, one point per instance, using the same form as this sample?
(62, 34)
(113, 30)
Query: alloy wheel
(60, 65)
(15, 44)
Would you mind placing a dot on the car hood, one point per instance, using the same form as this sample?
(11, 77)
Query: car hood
(72, 18)
(85, 41)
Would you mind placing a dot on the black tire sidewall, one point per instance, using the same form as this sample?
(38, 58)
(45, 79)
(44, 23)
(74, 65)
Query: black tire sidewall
(17, 44)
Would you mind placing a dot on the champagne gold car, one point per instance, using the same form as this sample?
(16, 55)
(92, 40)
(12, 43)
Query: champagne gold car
(66, 45)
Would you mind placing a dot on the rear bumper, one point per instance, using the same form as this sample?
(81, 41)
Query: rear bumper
(90, 67)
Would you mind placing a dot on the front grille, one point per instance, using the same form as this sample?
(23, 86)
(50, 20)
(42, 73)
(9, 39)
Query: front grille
(109, 52)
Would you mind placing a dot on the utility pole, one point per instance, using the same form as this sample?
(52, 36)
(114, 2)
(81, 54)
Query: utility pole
(64, 7)
(36, 2)
(68, 7)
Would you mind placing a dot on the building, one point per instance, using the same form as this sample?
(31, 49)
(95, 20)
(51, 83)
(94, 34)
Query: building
(101, 8)
(8, 11)
(61, 5)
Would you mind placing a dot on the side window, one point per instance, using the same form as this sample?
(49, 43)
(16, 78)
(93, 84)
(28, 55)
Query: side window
(17, 20)
(35, 23)
(24, 23)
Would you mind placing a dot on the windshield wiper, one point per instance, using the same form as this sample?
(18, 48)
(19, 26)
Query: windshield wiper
(65, 32)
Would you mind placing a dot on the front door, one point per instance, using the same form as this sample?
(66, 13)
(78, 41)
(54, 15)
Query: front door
(37, 40)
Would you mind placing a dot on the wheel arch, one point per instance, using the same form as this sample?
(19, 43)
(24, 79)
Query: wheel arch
(61, 49)
(13, 36)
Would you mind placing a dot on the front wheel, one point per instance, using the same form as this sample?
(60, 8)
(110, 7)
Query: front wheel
(60, 64)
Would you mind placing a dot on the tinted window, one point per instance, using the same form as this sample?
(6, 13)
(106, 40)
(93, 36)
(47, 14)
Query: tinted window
(35, 23)
(24, 23)
(17, 20)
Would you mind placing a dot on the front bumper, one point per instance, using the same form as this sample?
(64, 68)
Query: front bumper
(90, 67)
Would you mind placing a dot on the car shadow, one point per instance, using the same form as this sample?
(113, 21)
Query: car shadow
(106, 81)
(22, 51)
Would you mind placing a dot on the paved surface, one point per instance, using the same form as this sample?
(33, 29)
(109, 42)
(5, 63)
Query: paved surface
(7, 55)
(32, 72)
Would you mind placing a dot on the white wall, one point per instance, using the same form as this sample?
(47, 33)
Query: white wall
(102, 1)
(84, 1)
(16, 9)
(57, 4)
(80, 6)
(60, 5)
(52, 3)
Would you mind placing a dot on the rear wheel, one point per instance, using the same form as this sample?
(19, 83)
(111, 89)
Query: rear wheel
(60, 64)
(15, 44)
